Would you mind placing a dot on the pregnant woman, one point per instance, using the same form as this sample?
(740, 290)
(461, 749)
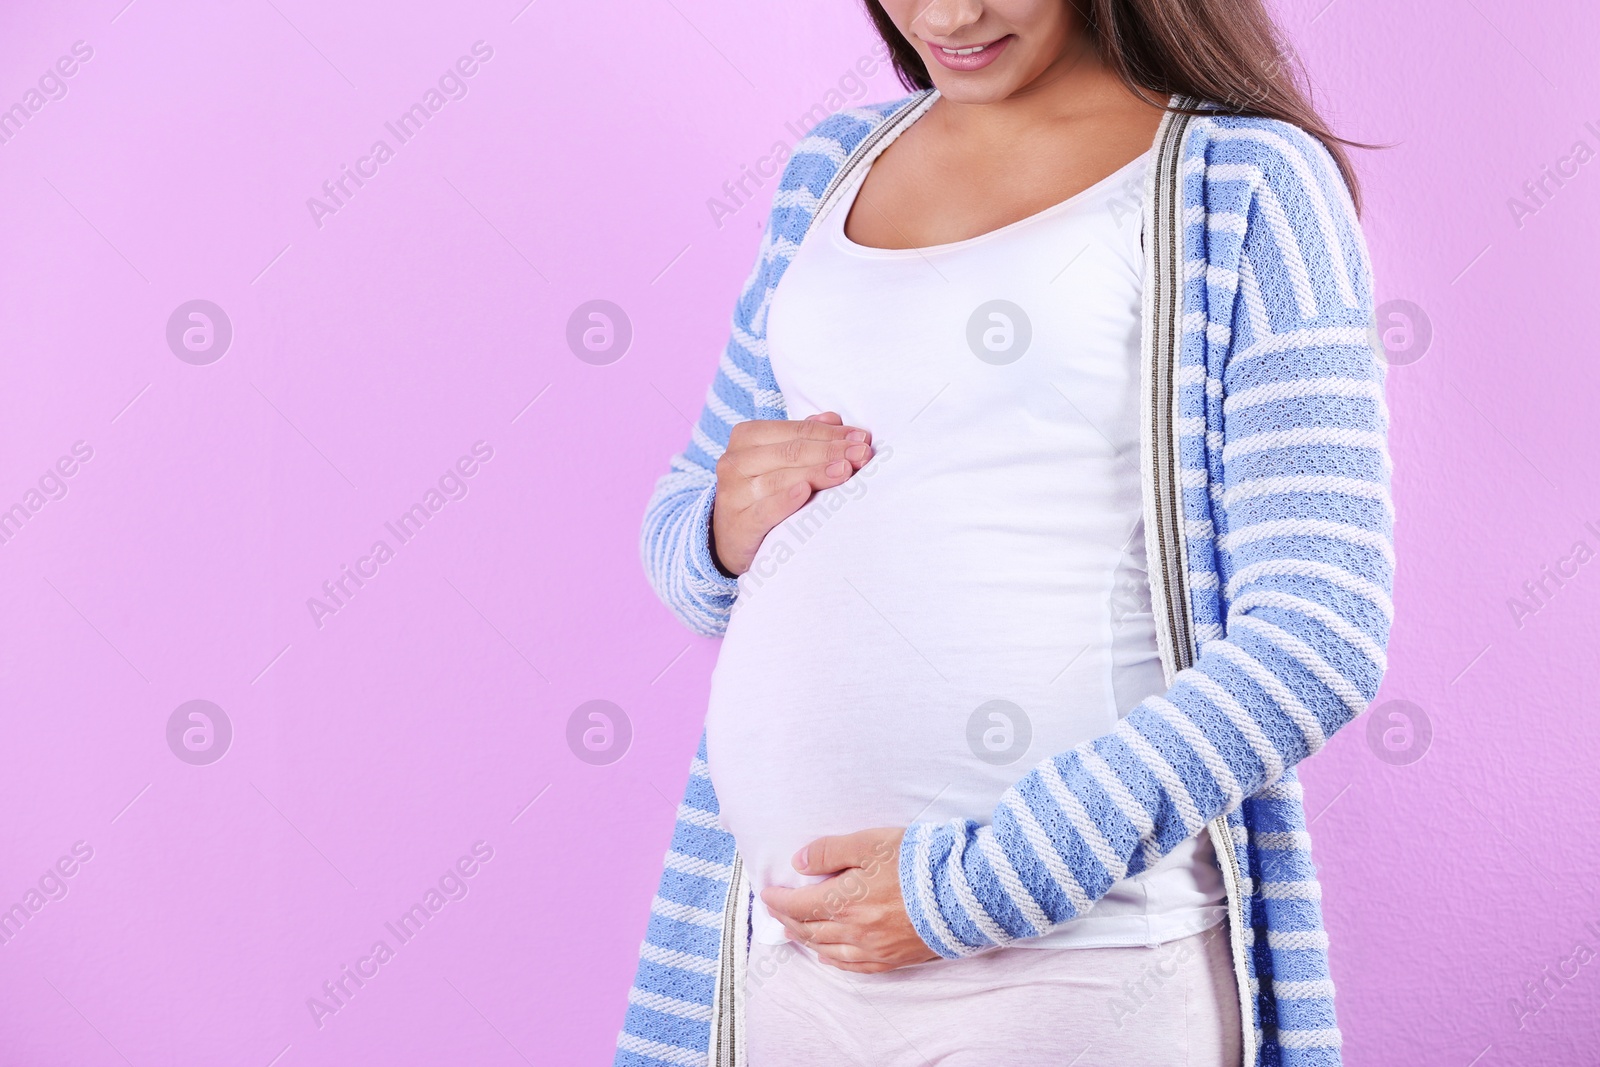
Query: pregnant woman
(1042, 502)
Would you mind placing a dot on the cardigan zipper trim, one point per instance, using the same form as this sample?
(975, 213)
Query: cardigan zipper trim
(1161, 335)
(1164, 501)
(727, 1007)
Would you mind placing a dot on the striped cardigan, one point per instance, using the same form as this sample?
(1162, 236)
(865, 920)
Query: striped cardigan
(1273, 576)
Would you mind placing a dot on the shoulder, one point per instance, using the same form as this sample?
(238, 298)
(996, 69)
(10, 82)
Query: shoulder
(818, 155)
(816, 158)
(1263, 157)
(1275, 205)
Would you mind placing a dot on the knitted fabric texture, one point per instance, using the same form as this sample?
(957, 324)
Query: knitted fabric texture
(1289, 540)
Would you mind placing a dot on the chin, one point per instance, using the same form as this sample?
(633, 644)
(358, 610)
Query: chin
(981, 87)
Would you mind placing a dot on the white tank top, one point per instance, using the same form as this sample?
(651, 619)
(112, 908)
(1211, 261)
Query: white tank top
(974, 600)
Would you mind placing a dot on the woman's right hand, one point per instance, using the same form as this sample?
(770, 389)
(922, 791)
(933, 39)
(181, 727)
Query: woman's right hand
(770, 469)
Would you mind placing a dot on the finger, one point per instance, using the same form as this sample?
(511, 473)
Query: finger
(778, 495)
(827, 426)
(820, 932)
(754, 432)
(796, 931)
(775, 495)
(826, 855)
(786, 905)
(797, 452)
(810, 903)
(844, 953)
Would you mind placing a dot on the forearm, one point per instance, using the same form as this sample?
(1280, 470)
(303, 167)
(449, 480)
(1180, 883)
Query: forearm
(1109, 808)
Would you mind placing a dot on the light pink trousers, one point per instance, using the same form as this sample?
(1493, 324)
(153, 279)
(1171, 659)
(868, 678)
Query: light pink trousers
(1172, 1005)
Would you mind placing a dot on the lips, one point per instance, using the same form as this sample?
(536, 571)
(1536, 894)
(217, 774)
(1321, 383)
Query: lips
(967, 57)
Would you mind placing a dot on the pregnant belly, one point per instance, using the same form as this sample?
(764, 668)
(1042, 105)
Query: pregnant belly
(862, 683)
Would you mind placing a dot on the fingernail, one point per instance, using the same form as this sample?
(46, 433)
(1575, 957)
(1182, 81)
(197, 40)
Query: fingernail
(800, 861)
(856, 435)
(856, 453)
(837, 467)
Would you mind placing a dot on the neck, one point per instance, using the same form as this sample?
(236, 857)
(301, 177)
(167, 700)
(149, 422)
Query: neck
(1078, 84)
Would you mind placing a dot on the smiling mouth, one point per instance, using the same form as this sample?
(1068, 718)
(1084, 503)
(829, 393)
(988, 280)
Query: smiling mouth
(968, 57)
(969, 51)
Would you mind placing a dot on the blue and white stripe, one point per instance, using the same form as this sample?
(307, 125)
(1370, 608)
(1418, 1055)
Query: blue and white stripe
(1288, 540)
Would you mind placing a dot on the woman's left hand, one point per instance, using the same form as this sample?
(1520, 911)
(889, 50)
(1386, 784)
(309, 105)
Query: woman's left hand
(857, 919)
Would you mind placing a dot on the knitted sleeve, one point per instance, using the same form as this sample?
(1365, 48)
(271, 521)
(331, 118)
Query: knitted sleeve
(1294, 435)
(675, 540)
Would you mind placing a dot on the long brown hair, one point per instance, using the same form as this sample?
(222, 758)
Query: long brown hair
(1227, 53)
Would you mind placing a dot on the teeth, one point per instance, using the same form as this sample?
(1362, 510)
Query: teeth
(963, 51)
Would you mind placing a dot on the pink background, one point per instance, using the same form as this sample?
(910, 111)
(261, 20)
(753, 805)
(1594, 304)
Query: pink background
(371, 753)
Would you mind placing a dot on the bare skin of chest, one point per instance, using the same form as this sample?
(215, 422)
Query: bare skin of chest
(949, 177)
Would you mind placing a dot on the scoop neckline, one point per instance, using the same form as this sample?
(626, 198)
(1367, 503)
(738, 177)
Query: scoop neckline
(842, 214)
